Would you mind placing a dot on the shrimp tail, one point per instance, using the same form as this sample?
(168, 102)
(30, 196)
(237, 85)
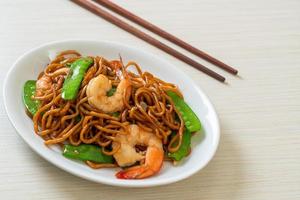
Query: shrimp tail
(153, 163)
(131, 173)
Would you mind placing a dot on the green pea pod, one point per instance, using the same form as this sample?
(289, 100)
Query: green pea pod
(28, 91)
(190, 119)
(73, 81)
(184, 148)
(86, 152)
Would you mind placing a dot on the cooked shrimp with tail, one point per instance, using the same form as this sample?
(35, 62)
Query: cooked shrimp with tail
(127, 155)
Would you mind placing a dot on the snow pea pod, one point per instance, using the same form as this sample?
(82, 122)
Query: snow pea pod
(28, 91)
(191, 121)
(184, 148)
(85, 152)
(73, 81)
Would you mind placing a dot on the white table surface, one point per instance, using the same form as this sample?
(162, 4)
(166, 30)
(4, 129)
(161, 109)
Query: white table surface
(259, 152)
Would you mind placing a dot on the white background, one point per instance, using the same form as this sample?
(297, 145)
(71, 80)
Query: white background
(259, 153)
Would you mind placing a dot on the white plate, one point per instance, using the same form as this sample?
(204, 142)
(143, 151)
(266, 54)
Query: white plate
(30, 64)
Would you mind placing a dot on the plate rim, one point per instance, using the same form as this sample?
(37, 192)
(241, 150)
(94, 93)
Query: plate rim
(51, 159)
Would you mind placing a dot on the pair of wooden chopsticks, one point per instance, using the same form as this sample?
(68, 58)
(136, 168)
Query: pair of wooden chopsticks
(95, 7)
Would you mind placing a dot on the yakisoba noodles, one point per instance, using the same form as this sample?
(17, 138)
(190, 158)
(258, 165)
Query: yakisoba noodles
(117, 116)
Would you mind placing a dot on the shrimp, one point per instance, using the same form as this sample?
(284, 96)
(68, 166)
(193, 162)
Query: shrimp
(45, 82)
(126, 155)
(96, 93)
(42, 85)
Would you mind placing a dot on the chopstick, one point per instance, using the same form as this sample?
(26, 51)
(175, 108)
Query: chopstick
(93, 7)
(151, 27)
